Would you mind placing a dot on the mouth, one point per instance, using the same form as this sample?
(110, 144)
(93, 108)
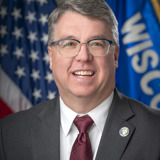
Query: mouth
(82, 74)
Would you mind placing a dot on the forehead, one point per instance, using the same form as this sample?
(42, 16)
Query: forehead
(75, 24)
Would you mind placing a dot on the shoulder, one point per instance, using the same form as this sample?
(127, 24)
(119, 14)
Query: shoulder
(29, 116)
(142, 109)
(142, 112)
(136, 105)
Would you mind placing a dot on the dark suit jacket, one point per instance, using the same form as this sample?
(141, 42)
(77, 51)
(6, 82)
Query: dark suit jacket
(35, 134)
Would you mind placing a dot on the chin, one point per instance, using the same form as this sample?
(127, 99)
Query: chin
(84, 94)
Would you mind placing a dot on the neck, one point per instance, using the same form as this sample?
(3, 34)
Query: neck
(83, 105)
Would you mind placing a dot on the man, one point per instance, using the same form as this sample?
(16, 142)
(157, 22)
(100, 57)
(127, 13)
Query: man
(83, 48)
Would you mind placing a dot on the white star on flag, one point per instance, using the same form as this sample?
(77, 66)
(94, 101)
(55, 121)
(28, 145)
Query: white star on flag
(43, 19)
(20, 72)
(45, 38)
(3, 50)
(46, 58)
(51, 95)
(3, 12)
(35, 75)
(49, 77)
(32, 36)
(31, 17)
(16, 13)
(37, 93)
(18, 52)
(3, 30)
(17, 33)
(34, 55)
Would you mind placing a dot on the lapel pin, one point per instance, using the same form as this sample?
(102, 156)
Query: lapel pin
(124, 131)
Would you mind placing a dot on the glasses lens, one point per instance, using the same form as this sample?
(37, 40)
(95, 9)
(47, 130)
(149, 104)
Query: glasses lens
(99, 47)
(68, 48)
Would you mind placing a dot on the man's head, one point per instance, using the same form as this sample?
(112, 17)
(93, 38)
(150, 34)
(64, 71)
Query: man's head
(86, 77)
(92, 8)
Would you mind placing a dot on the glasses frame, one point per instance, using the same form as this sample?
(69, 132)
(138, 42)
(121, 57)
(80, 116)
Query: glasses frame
(58, 41)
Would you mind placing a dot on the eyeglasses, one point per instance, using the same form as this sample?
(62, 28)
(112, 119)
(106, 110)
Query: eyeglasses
(71, 47)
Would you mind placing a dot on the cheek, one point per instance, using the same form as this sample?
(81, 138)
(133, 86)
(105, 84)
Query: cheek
(107, 67)
(102, 68)
(57, 72)
(60, 66)
(56, 66)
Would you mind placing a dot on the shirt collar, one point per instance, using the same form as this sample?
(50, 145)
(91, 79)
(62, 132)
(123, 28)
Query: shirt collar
(98, 114)
(67, 117)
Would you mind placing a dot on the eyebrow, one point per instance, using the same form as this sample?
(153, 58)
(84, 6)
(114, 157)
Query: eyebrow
(98, 37)
(92, 37)
(68, 37)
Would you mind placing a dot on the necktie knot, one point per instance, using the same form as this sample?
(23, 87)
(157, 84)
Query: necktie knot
(83, 123)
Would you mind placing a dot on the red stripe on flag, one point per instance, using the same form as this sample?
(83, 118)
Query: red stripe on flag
(4, 109)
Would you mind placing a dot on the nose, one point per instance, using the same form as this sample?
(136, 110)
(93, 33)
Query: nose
(84, 54)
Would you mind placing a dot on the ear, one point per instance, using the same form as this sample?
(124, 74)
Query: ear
(50, 52)
(116, 55)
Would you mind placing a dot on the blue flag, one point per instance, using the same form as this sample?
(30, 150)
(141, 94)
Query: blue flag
(138, 75)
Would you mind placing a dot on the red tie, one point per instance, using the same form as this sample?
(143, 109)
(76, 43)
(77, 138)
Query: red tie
(81, 149)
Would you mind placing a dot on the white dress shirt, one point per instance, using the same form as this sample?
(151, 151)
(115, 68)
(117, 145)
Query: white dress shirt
(69, 132)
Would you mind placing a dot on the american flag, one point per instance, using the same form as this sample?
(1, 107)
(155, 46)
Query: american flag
(25, 77)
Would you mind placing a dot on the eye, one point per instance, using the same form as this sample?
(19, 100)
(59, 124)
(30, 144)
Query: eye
(68, 43)
(97, 44)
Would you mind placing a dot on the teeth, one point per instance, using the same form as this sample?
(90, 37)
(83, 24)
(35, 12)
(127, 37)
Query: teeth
(84, 73)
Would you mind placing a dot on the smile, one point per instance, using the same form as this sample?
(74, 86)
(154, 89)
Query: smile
(83, 73)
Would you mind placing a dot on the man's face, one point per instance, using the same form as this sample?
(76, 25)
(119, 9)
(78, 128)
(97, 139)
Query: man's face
(72, 74)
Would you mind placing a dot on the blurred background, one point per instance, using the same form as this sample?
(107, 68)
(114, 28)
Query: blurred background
(25, 77)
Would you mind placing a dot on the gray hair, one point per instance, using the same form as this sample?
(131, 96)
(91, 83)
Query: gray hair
(92, 8)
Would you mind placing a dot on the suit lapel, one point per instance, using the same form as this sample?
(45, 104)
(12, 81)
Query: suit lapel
(113, 145)
(46, 133)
